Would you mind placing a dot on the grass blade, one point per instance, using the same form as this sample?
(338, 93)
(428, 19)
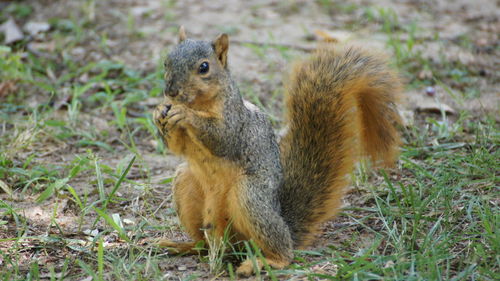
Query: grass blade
(113, 224)
(51, 189)
(100, 182)
(100, 260)
(119, 181)
(5, 188)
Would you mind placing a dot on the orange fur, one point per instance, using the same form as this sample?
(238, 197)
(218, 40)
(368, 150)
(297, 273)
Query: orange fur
(190, 211)
(183, 248)
(202, 191)
(340, 105)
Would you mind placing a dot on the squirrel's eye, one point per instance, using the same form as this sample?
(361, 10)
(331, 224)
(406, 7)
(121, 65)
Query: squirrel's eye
(203, 68)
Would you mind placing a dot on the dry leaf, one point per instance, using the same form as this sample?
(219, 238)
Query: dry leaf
(12, 32)
(434, 101)
(432, 106)
(7, 88)
(33, 28)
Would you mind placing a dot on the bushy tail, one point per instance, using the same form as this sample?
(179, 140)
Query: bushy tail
(341, 104)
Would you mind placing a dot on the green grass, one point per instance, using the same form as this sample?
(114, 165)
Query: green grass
(76, 136)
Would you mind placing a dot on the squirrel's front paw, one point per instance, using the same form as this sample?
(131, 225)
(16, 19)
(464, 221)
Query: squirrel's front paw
(176, 116)
(160, 116)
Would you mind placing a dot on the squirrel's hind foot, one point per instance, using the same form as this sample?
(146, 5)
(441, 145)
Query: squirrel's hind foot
(180, 248)
(247, 267)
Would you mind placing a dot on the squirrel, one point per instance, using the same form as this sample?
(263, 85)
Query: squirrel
(340, 105)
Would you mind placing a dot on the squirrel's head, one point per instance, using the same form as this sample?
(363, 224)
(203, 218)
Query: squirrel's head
(195, 71)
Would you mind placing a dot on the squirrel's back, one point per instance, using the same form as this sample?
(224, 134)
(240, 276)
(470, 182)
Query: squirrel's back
(340, 104)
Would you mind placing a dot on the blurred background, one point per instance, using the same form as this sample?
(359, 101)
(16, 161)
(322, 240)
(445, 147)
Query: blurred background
(82, 167)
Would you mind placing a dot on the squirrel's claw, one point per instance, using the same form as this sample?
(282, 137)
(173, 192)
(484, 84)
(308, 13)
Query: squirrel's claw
(164, 111)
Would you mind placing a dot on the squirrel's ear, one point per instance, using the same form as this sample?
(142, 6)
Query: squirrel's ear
(182, 34)
(221, 44)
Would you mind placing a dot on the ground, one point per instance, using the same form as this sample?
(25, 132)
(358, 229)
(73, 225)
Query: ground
(85, 180)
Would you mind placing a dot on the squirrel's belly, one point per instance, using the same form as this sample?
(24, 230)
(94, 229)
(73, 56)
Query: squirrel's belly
(218, 178)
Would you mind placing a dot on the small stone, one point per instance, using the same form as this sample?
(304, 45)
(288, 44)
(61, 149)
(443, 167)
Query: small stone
(430, 91)
(91, 232)
(128, 222)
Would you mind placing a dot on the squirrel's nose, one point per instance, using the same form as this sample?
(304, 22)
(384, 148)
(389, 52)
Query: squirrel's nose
(172, 93)
(171, 89)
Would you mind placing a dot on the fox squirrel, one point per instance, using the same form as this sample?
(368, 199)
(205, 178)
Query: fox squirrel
(341, 105)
